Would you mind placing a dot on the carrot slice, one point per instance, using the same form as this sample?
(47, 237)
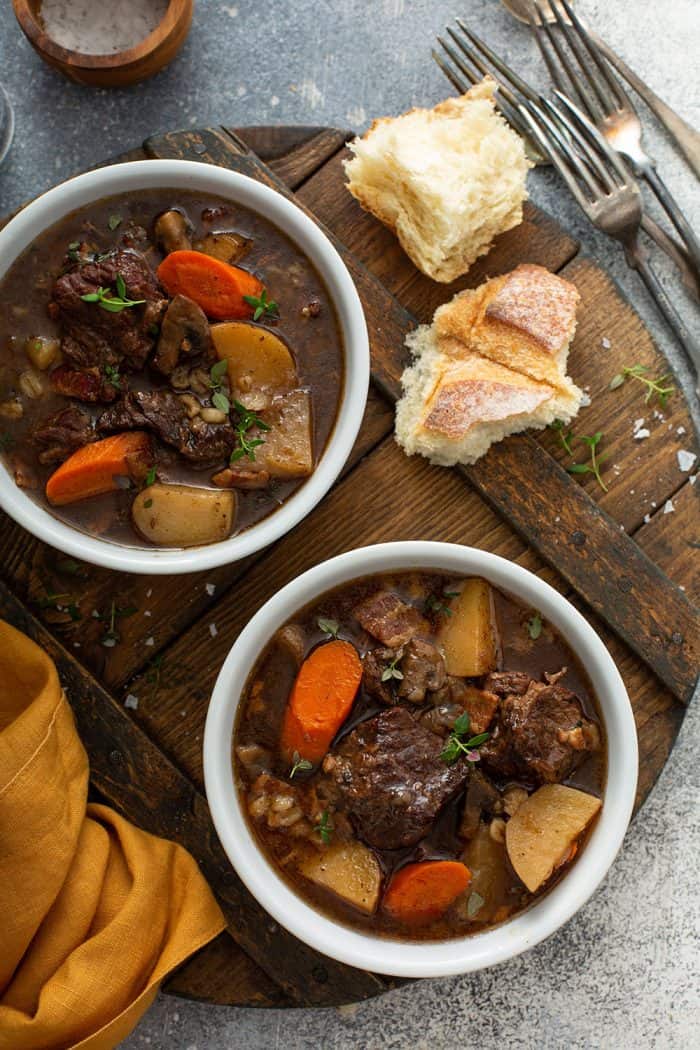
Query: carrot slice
(422, 892)
(92, 469)
(321, 699)
(216, 286)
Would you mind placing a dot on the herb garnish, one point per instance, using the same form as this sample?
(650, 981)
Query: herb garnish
(433, 604)
(565, 436)
(391, 670)
(73, 251)
(654, 386)
(113, 302)
(328, 626)
(110, 638)
(262, 306)
(534, 626)
(301, 765)
(593, 467)
(150, 477)
(246, 445)
(457, 745)
(67, 602)
(114, 221)
(324, 828)
(112, 376)
(216, 376)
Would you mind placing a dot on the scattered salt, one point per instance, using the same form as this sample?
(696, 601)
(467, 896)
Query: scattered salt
(668, 507)
(686, 460)
(638, 423)
(101, 29)
(109, 643)
(639, 435)
(647, 519)
(605, 343)
(149, 592)
(585, 400)
(147, 612)
(131, 701)
(680, 431)
(150, 641)
(210, 588)
(692, 480)
(76, 645)
(213, 630)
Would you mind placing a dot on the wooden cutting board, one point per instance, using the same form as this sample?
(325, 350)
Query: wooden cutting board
(627, 557)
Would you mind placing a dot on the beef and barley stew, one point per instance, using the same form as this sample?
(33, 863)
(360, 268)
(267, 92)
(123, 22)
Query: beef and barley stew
(419, 756)
(170, 368)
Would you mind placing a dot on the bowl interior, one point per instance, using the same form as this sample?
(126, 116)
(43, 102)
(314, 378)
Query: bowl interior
(402, 958)
(188, 175)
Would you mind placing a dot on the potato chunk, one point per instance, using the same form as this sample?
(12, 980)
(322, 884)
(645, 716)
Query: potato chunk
(540, 835)
(183, 516)
(288, 448)
(349, 870)
(468, 636)
(228, 247)
(486, 859)
(257, 358)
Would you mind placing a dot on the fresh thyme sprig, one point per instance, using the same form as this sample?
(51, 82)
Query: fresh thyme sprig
(216, 377)
(534, 626)
(330, 627)
(300, 765)
(593, 466)
(391, 670)
(654, 387)
(565, 436)
(246, 420)
(433, 604)
(113, 302)
(324, 828)
(457, 745)
(262, 306)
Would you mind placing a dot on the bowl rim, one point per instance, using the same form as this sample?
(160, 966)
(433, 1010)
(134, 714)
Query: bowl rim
(114, 179)
(408, 958)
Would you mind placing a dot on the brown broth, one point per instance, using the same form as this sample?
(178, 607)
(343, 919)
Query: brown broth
(261, 724)
(292, 282)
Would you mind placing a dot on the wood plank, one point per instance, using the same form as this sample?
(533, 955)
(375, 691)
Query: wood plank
(294, 152)
(223, 974)
(672, 539)
(138, 780)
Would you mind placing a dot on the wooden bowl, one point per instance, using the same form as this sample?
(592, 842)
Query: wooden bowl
(115, 70)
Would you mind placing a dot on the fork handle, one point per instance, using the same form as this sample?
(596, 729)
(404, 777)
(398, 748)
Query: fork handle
(638, 260)
(647, 170)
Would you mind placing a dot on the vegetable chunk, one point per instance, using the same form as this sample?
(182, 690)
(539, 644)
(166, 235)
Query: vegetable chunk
(349, 870)
(420, 893)
(182, 515)
(321, 699)
(214, 285)
(544, 830)
(468, 636)
(257, 358)
(91, 471)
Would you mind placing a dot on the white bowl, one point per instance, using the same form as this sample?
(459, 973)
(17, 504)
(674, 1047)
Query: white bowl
(206, 178)
(406, 958)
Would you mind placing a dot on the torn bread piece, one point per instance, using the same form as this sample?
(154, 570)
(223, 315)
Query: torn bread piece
(491, 364)
(446, 180)
(525, 319)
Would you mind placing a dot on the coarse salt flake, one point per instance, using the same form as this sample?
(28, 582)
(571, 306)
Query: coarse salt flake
(605, 343)
(668, 507)
(639, 435)
(131, 701)
(647, 519)
(585, 400)
(150, 641)
(680, 431)
(210, 588)
(686, 460)
(213, 630)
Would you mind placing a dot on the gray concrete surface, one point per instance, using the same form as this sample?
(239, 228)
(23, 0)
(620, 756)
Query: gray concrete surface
(625, 972)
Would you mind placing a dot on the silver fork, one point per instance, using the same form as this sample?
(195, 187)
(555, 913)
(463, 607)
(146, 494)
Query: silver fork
(590, 83)
(508, 102)
(594, 172)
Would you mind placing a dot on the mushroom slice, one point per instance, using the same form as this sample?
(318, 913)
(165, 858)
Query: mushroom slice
(172, 230)
(184, 333)
(228, 247)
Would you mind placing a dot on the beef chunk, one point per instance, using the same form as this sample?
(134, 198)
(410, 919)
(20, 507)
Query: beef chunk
(392, 779)
(505, 683)
(541, 734)
(374, 664)
(203, 444)
(94, 337)
(84, 384)
(61, 434)
(385, 616)
(184, 335)
(423, 670)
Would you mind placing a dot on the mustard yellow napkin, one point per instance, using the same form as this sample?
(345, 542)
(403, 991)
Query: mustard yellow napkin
(93, 912)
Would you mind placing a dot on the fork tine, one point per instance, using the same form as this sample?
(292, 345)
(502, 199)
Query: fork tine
(579, 162)
(507, 102)
(593, 137)
(586, 155)
(536, 20)
(460, 85)
(576, 43)
(576, 88)
(549, 144)
(517, 82)
(620, 99)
